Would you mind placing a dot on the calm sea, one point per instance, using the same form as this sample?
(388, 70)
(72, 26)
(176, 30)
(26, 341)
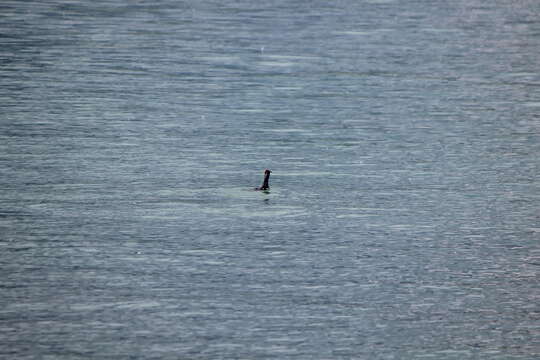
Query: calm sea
(403, 220)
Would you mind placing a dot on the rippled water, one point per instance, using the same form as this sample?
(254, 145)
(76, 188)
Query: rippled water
(403, 218)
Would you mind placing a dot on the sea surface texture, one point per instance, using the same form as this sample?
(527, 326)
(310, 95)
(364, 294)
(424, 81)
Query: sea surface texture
(403, 217)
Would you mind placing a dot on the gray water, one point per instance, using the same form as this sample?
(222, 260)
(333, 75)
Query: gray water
(403, 218)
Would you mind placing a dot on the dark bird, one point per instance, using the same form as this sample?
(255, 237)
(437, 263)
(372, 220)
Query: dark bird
(265, 185)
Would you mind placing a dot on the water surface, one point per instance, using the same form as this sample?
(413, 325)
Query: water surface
(402, 221)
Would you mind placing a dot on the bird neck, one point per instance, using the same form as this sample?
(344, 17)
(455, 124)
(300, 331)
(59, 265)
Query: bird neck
(265, 182)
